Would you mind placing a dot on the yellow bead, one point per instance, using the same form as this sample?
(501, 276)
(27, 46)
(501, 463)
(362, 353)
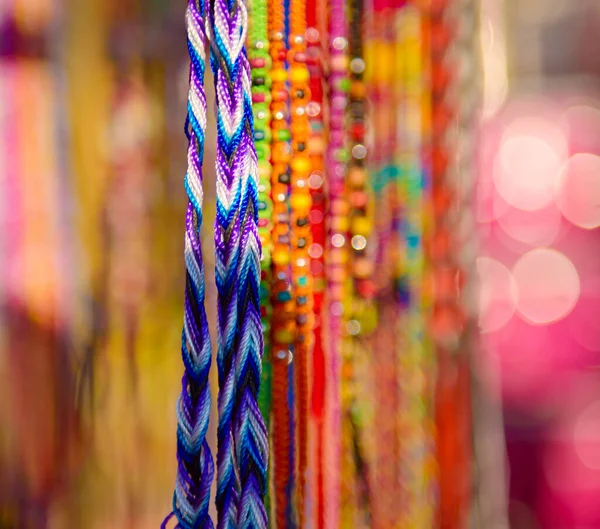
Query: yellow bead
(279, 75)
(361, 225)
(284, 336)
(341, 224)
(299, 75)
(281, 257)
(301, 164)
(300, 202)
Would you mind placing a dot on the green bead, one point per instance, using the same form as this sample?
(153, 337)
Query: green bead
(261, 151)
(284, 135)
(259, 72)
(284, 336)
(344, 84)
(267, 210)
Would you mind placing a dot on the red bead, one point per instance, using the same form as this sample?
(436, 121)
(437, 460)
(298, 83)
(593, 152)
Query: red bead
(257, 63)
(358, 130)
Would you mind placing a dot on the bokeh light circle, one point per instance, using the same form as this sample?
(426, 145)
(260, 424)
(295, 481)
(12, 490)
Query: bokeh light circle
(579, 196)
(528, 163)
(497, 294)
(587, 436)
(548, 286)
(533, 228)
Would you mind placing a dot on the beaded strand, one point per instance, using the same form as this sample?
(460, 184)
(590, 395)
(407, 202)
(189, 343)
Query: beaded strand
(379, 57)
(301, 234)
(260, 62)
(417, 470)
(283, 324)
(361, 310)
(455, 96)
(337, 244)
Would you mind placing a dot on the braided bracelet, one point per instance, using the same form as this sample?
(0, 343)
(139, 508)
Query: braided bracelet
(195, 469)
(242, 435)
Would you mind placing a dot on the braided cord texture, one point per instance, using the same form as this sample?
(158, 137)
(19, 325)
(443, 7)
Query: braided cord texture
(195, 465)
(242, 436)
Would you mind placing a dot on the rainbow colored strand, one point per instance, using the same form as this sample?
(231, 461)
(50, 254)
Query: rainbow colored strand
(195, 464)
(242, 436)
(362, 316)
(379, 76)
(337, 246)
(416, 361)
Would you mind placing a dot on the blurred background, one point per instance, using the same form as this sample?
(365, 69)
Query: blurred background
(92, 158)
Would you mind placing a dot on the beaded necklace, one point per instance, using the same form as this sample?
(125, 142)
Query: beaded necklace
(283, 324)
(379, 75)
(416, 360)
(301, 234)
(359, 304)
(453, 105)
(260, 62)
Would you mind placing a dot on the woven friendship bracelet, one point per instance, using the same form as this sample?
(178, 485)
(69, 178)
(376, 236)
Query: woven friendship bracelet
(195, 465)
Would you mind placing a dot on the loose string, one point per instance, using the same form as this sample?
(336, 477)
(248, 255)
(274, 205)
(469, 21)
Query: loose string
(195, 468)
(242, 436)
